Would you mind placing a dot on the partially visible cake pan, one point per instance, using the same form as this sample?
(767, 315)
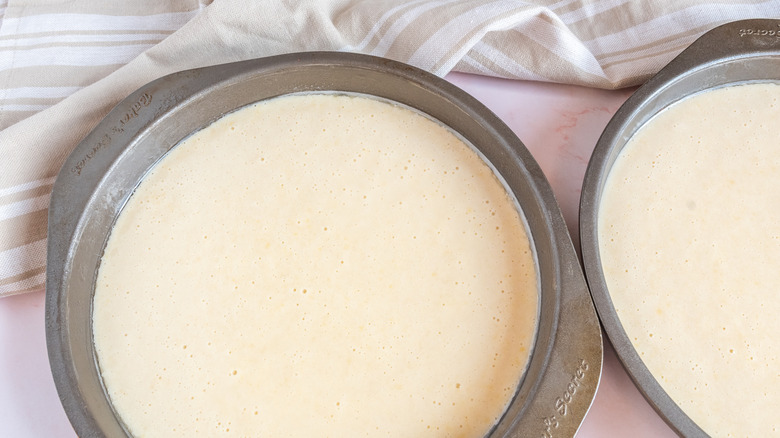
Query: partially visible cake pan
(736, 53)
(99, 176)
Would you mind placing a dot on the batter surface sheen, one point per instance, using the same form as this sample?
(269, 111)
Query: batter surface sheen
(316, 265)
(689, 236)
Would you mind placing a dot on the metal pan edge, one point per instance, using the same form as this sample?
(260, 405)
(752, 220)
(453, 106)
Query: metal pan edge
(734, 53)
(103, 170)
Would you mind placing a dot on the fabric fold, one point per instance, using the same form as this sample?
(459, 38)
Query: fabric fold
(50, 101)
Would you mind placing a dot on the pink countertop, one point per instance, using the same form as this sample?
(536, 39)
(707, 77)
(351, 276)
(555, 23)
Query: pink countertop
(560, 126)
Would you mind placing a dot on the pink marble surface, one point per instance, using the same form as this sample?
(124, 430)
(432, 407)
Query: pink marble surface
(560, 126)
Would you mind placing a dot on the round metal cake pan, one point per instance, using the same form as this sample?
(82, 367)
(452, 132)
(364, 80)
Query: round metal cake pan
(735, 53)
(97, 179)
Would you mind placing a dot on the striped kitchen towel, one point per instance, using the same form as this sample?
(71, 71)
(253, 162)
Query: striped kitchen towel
(64, 64)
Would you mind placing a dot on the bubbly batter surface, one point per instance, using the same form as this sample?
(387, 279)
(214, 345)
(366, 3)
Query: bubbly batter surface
(316, 265)
(689, 237)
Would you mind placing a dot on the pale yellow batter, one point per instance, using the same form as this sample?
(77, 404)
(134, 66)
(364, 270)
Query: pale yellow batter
(316, 265)
(689, 237)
